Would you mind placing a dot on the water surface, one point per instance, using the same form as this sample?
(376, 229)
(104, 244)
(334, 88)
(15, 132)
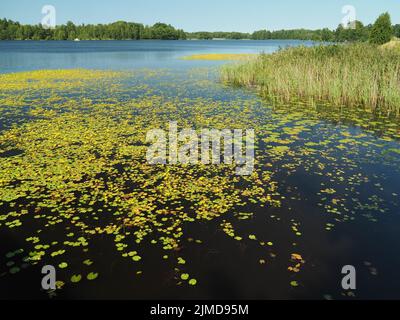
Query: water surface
(122, 55)
(328, 177)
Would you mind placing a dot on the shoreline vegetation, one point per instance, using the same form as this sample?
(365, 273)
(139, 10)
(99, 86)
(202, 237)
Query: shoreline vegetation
(359, 75)
(121, 30)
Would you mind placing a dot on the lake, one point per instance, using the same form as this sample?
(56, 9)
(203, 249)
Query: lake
(122, 55)
(77, 193)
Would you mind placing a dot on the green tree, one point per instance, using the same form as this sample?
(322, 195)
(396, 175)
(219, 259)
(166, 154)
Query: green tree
(327, 35)
(261, 35)
(61, 33)
(164, 32)
(71, 30)
(382, 30)
(396, 30)
(355, 31)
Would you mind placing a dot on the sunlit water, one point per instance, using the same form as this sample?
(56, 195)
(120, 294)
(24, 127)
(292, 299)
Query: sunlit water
(122, 55)
(336, 173)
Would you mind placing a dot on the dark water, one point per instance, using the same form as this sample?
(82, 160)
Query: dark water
(351, 154)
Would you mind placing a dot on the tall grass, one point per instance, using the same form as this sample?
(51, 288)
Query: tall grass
(351, 75)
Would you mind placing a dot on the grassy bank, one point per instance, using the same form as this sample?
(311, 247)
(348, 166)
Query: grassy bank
(392, 45)
(350, 75)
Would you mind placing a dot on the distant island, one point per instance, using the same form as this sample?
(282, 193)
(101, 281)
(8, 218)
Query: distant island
(121, 30)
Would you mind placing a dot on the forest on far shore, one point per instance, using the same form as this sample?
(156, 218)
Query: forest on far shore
(121, 30)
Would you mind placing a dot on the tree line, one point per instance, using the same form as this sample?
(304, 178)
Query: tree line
(121, 30)
(379, 32)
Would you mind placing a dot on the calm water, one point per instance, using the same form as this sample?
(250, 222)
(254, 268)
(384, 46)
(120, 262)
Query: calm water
(121, 55)
(337, 171)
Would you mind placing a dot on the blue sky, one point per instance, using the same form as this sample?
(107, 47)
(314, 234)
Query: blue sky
(207, 15)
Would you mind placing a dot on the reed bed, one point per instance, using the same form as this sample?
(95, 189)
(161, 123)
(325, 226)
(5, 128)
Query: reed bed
(346, 75)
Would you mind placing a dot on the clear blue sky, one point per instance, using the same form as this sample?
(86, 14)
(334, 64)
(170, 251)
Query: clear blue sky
(206, 15)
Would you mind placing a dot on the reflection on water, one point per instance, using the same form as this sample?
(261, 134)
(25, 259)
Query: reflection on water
(324, 194)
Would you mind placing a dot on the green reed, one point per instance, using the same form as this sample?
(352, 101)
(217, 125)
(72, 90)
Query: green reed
(346, 75)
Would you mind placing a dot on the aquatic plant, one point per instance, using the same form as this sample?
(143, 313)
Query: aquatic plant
(346, 75)
(73, 174)
(82, 168)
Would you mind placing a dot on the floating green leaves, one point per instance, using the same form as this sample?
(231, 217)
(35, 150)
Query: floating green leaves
(185, 276)
(57, 253)
(193, 282)
(76, 278)
(92, 276)
(15, 270)
(10, 263)
(10, 255)
(88, 262)
(74, 169)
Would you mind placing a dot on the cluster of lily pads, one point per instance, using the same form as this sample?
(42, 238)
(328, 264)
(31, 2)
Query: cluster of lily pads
(73, 166)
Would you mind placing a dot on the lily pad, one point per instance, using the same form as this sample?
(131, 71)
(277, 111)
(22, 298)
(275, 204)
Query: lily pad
(15, 270)
(185, 276)
(92, 276)
(192, 282)
(76, 278)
